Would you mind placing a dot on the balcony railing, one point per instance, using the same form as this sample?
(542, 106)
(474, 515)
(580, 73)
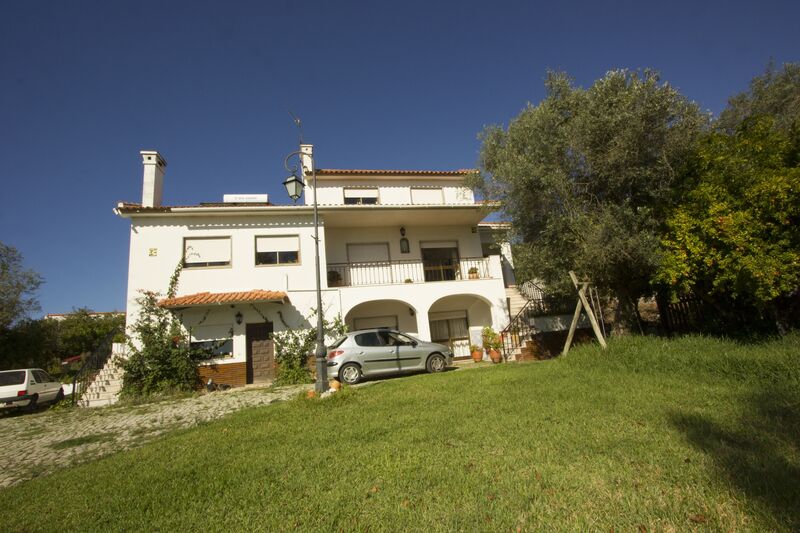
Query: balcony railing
(410, 271)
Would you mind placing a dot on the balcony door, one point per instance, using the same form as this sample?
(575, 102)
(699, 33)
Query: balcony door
(440, 260)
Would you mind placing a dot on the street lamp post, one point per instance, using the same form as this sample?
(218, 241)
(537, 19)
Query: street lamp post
(294, 186)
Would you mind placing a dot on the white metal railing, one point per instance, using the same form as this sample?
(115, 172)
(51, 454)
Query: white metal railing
(408, 271)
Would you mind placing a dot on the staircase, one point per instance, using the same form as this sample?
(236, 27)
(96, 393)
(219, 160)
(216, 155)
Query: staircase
(523, 301)
(516, 301)
(102, 386)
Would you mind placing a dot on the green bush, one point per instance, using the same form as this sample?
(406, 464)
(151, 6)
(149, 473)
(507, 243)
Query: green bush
(294, 348)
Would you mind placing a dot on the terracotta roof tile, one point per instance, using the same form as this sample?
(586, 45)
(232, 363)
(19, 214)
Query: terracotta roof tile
(218, 298)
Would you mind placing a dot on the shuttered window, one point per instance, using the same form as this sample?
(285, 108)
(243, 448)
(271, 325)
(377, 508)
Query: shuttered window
(426, 196)
(207, 251)
(360, 196)
(278, 250)
(368, 253)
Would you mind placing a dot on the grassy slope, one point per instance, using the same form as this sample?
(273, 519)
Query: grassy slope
(692, 433)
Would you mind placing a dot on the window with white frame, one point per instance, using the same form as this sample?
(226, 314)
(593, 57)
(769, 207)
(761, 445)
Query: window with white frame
(427, 196)
(278, 250)
(361, 196)
(206, 251)
(217, 339)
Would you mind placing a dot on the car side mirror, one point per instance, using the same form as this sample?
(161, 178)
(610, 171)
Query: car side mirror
(414, 344)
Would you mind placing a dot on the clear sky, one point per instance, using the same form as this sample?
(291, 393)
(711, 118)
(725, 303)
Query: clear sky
(406, 85)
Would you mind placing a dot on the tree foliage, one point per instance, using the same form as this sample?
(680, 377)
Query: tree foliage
(294, 347)
(83, 329)
(776, 94)
(30, 343)
(18, 286)
(586, 177)
(737, 233)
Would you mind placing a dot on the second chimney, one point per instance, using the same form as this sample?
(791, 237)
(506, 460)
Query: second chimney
(153, 181)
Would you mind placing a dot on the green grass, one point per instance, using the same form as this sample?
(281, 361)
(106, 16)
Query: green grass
(688, 434)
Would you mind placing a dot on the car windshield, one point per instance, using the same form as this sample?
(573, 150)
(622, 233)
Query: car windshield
(14, 377)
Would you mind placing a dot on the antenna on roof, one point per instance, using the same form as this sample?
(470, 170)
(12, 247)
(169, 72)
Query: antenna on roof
(297, 123)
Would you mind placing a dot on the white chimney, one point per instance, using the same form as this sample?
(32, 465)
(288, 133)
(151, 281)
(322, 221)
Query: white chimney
(153, 181)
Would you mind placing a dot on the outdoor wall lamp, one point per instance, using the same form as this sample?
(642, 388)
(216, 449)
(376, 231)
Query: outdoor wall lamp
(239, 318)
(404, 247)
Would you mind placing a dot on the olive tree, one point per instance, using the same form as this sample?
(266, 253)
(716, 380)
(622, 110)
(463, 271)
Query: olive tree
(587, 175)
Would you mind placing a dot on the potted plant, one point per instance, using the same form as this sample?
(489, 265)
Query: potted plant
(334, 278)
(477, 353)
(473, 272)
(492, 342)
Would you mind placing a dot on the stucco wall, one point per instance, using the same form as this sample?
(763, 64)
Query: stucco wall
(390, 192)
(469, 244)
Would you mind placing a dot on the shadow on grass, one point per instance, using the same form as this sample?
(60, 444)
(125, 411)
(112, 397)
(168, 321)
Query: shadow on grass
(759, 454)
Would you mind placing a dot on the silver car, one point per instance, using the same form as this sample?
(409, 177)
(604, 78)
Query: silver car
(373, 352)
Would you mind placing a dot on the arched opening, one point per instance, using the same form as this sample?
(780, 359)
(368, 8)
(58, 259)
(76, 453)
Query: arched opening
(457, 321)
(394, 314)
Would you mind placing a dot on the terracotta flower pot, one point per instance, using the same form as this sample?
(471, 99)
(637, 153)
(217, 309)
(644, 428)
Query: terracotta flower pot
(477, 356)
(495, 356)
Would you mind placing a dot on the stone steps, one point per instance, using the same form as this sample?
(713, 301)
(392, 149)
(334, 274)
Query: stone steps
(106, 385)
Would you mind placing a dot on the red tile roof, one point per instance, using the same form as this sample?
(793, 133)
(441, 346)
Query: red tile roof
(373, 172)
(218, 298)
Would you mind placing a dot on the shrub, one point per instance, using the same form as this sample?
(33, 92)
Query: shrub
(161, 358)
(294, 347)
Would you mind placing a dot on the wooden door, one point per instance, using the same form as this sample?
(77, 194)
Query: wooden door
(260, 352)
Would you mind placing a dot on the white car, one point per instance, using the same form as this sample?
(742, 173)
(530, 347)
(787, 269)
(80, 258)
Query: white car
(28, 387)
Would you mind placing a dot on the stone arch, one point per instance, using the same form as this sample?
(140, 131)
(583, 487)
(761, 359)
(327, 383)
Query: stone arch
(383, 313)
(457, 320)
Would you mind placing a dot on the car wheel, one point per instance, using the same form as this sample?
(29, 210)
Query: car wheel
(350, 373)
(59, 396)
(436, 363)
(33, 403)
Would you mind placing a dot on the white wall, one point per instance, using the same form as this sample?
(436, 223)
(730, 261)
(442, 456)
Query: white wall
(390, 192)
(469, 244)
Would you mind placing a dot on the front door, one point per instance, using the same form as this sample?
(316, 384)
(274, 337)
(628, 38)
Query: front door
(260, 352)
(440, 264)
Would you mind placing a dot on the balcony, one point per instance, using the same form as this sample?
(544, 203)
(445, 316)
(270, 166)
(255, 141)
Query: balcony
(410, 271)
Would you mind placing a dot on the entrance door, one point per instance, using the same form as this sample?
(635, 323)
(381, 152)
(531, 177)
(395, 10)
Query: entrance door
(260, 352)
(440, 261)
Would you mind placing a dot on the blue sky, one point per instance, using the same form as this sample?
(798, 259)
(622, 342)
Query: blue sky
(86, 85)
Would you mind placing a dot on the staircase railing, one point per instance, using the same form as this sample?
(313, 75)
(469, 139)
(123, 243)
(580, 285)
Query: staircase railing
(521, 327)
(518, 330)
(92, 365)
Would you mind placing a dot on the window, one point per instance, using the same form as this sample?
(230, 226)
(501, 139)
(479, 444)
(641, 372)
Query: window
(426, 196)
(13, 377)
(369, 339)
(41, 376)
(206, 252)
(278, 250)
(449, 326)
(360, 196)
(215, 348)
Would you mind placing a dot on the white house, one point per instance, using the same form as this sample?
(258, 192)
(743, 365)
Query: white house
(404, 249)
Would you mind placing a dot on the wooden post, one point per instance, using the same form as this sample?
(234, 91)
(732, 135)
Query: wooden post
(582, 303)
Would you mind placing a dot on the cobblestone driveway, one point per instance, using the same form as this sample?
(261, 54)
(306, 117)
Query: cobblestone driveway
(32, 445)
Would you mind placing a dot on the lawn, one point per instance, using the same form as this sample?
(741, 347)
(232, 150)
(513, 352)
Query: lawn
(692, 433)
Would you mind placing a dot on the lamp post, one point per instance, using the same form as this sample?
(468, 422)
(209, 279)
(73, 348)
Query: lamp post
(294, 186)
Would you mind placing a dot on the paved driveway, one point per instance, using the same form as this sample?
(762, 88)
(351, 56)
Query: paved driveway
(37, 444)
